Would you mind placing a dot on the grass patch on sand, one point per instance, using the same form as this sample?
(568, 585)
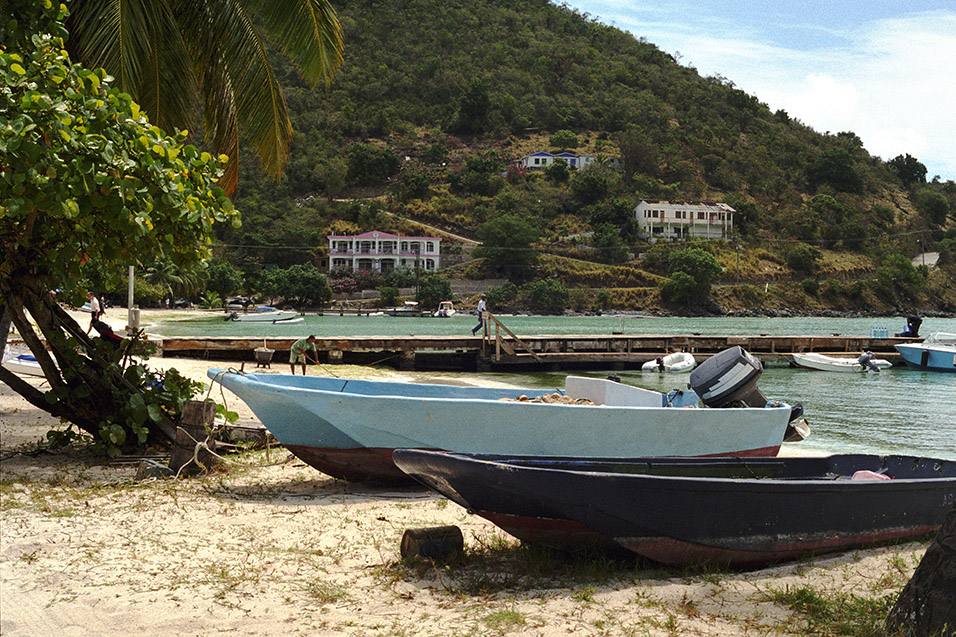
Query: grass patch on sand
(835, 613)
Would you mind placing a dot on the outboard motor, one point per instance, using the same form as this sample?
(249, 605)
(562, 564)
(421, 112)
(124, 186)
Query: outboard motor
(729, 378)
(232, 316)
(912, 326)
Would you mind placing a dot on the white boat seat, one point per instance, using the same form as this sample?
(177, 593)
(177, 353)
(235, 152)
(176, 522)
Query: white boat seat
(607, 392)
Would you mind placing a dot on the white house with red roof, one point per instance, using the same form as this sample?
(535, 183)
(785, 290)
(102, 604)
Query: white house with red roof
(684, 219)
(383, 252)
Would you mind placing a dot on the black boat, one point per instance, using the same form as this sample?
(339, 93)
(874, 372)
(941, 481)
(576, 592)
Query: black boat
(735, 512)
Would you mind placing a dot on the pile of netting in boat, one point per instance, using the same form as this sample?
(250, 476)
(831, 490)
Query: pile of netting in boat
(550, 399)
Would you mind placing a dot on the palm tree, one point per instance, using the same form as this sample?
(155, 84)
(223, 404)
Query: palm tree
(203, 62)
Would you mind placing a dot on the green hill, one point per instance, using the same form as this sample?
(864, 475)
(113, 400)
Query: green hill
(437, 99)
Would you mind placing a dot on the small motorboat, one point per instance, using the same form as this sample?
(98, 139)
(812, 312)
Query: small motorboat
(676, 362)
(936, 353)
(735, 512)
(21, 362)
(822, 362)
(263, 314)
(348, 428)
(445, 310)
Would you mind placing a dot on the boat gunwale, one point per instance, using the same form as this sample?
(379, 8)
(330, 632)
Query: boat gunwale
(484, 401)
(792, 483)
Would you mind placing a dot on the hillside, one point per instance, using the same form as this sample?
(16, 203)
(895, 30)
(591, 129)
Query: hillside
(437, 99)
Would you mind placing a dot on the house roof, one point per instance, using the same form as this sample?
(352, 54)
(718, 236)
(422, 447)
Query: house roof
(690, 204)
(376, 234)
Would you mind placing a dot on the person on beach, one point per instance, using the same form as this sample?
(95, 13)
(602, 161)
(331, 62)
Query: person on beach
(95, 310)
(298, 353)
(482, 307)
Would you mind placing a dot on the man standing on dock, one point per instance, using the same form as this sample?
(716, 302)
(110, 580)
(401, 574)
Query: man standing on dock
(482, 307)
(298, 353)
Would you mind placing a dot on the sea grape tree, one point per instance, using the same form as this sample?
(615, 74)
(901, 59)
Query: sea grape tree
(85, 180)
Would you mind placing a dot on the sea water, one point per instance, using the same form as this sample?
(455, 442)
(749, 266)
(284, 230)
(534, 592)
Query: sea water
(898, 410)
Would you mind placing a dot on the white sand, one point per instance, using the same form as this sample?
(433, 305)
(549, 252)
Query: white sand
(271, 546)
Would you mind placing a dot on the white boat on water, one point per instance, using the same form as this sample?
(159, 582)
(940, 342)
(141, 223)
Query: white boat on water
(822, 362)
(936, 353)
(263, 314)
(676, 362)
(21, 362)
(445, 310)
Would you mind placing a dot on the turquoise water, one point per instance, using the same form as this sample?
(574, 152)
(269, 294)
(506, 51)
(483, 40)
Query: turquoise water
(461, 324)
(896, 411)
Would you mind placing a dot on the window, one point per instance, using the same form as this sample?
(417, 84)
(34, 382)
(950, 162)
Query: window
(701, 215)
(429, 247)
(654, 214)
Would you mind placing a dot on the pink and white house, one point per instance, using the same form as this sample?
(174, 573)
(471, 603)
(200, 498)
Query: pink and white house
(383, 252)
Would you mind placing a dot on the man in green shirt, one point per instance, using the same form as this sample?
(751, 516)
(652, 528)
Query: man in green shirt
(298, 353)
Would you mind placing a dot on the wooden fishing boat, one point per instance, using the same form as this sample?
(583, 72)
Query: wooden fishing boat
(349, 428)
(736, 512)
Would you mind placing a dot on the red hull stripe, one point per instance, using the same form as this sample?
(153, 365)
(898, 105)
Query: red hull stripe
(375, 463)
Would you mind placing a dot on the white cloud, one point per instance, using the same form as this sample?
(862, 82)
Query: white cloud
(890, 81)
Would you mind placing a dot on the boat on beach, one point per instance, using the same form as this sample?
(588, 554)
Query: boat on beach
(21, 362)
(734, 512)
(676, 362)
(263, 314)
(936, 353)
(349, 428)
(822, 362)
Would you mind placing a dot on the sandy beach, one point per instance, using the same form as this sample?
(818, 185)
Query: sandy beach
(269, 545)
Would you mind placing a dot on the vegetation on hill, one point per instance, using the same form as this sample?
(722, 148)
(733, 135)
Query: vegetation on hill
(436, 101)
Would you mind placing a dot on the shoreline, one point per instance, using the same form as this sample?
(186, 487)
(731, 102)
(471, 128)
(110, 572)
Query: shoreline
(270, 545)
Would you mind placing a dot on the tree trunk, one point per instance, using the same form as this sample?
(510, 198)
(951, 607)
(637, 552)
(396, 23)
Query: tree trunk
(927, 605)
(80, 379)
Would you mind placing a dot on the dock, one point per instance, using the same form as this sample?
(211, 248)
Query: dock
(500, 350)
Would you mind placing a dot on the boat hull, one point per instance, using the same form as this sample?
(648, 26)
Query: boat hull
(684, 511)
(22, 364)
(927, 357)
(347, 428)
(266, 317)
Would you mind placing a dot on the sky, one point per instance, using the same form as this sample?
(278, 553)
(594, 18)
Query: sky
(883, 69)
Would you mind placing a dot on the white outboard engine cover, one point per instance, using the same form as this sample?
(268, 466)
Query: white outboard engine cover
(728, 377)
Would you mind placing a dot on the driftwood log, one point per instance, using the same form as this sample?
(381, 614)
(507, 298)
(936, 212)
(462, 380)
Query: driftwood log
(927, 605)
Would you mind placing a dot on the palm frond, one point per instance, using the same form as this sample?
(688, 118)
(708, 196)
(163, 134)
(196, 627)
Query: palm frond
(235, 76)
(308, 31)
(168, 92)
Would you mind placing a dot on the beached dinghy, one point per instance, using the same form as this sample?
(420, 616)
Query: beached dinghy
(21, 362)
(738, 512)
(349, 428)
(824, 363)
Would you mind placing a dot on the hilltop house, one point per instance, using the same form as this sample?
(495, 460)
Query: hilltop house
(383, 252)
(543, 159)
(683, 219)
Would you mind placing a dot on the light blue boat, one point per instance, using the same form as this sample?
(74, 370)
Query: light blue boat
(349, 428)
(936, 353)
